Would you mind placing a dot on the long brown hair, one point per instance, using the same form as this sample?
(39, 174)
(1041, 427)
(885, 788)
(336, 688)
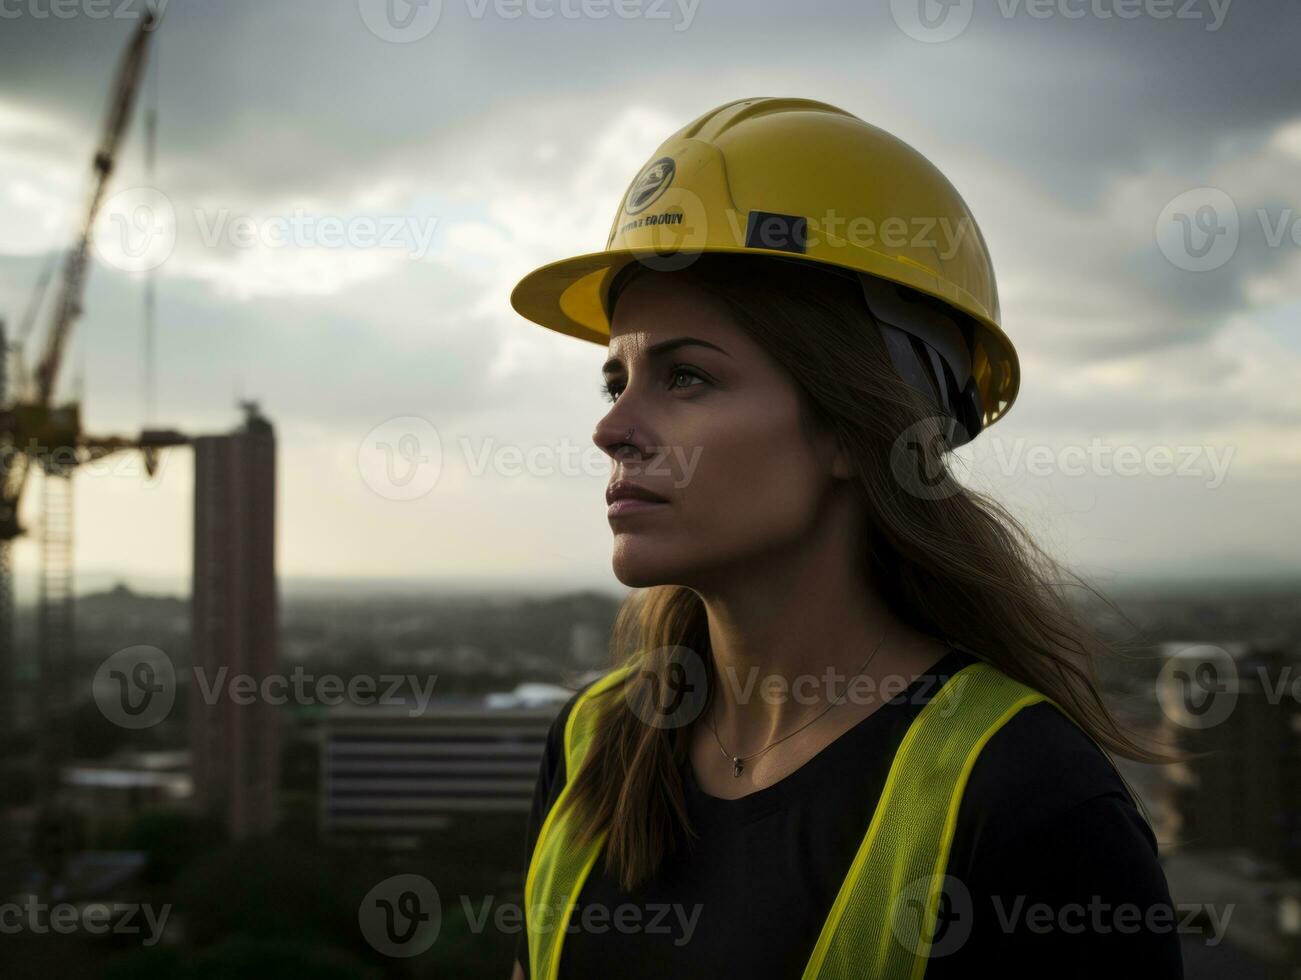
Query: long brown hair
(955, 565)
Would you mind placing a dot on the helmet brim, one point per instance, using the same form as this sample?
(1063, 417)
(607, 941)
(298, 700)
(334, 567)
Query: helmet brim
(570, 296)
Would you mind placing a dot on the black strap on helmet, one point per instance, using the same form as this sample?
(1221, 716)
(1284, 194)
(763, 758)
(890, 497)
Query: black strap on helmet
(931, 350)
(929, 345)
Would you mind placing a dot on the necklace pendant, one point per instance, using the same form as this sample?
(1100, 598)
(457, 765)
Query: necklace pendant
(737, 766)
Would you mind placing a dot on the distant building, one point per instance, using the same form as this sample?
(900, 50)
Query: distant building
(113, 791)
(235, 624)
(1244, 792)
(392, 772)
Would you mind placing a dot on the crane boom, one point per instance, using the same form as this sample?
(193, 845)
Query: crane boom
(122, 100)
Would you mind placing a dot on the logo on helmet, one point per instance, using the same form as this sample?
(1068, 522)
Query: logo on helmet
(650, 185)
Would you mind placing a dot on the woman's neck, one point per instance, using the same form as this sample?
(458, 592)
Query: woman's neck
(785, 646)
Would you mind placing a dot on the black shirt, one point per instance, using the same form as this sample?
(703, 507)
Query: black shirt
(1053, 866)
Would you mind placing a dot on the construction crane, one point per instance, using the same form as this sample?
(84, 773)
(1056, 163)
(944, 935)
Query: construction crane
(37, 432)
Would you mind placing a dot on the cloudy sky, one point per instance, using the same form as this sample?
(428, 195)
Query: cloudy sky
(354, 186)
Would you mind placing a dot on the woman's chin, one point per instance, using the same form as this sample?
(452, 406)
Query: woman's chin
(637, 577)
(636, 567)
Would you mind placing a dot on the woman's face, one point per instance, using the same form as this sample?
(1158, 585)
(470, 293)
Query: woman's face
(717, 437)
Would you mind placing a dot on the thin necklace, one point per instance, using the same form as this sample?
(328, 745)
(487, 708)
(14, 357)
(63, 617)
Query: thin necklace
(738, 761)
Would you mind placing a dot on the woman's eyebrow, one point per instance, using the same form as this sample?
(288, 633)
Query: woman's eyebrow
(662, 348)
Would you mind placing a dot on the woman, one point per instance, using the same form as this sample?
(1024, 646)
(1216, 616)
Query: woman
(853, 728)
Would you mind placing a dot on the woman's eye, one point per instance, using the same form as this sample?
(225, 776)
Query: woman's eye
(685, 372)
(611, 390)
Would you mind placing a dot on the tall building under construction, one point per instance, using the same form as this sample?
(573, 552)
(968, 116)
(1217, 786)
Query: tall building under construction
(234, 622)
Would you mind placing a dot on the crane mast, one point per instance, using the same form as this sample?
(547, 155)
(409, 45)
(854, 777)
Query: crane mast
(39, 432)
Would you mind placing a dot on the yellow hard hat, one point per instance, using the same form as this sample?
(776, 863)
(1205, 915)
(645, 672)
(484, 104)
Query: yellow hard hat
(808, 182)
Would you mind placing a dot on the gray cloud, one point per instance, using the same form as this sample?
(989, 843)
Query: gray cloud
(1067, 137)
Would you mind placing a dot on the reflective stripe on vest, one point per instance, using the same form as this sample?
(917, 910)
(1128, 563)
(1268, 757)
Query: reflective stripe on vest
(883, 919)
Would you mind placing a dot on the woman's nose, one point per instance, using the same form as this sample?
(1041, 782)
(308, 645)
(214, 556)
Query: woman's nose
(616, 433)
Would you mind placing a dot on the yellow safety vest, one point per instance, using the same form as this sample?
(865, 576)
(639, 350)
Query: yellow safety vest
(872, 929)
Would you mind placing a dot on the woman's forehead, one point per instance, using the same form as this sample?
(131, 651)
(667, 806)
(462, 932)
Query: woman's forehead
(653, 317)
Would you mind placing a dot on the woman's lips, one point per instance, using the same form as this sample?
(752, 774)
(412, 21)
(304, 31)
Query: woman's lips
(628, 506)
